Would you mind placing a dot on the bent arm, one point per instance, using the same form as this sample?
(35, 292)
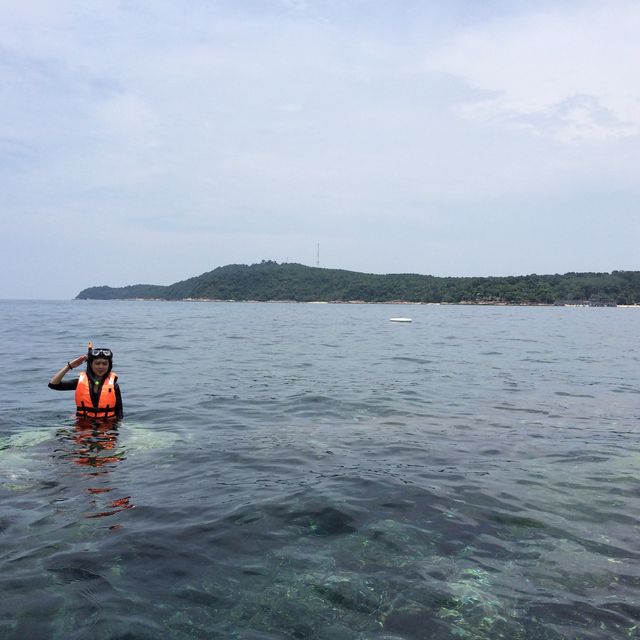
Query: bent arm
(57, 377)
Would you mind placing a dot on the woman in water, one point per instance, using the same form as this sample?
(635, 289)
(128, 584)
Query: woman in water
(97, 390)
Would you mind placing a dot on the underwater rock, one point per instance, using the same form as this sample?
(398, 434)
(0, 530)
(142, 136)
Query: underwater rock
(326, 521)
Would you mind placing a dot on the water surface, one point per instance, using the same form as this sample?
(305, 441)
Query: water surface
(316, 471)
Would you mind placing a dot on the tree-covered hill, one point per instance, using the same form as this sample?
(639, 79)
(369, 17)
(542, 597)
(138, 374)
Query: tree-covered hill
(269, 280)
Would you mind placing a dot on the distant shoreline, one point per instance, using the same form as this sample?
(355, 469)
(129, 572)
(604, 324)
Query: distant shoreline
(355, 302)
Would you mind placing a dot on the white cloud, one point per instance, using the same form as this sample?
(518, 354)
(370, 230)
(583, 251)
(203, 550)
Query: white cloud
(570, 72)
(255, 121)
(130, 116)
(291, 107)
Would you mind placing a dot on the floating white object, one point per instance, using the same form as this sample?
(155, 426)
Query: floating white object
(401, 319)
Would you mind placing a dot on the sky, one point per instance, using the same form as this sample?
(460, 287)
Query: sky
(149, 141)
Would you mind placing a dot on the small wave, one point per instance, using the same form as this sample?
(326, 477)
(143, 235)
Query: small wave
(410, 359)
(521, 409)
(566, 394)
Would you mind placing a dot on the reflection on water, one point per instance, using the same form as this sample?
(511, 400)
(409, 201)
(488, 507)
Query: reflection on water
(93, 444)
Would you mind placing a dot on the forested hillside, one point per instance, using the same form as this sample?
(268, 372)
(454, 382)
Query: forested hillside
(269, 280)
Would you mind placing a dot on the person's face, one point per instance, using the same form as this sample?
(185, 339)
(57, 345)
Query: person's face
(99, 366)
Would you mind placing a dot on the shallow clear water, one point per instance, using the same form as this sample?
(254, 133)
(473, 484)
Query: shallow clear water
(316, 471)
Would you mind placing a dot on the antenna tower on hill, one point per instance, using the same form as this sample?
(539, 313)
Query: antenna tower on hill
(318, 256)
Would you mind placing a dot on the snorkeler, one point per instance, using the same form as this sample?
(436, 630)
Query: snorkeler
(97, 391)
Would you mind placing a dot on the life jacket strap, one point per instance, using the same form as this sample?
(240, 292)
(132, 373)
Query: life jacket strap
(93, 412)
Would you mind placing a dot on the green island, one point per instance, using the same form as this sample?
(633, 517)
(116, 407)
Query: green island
(269, 281)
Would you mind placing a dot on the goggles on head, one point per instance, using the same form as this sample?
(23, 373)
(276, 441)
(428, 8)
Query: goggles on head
(100, 353)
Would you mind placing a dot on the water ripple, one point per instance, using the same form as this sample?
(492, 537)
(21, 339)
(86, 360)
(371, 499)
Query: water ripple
(308, 471)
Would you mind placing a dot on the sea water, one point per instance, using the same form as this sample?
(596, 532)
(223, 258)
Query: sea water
(293, 471)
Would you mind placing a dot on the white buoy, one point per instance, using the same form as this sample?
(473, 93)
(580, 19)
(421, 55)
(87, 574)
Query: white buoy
(401, 319)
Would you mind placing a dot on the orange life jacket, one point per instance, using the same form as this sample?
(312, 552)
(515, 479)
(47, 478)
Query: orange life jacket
(106, 401)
